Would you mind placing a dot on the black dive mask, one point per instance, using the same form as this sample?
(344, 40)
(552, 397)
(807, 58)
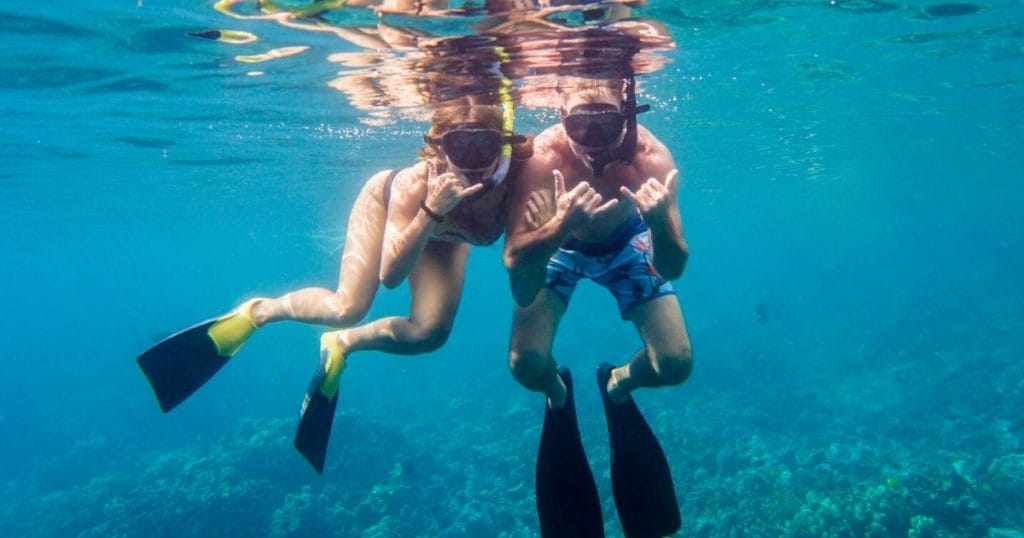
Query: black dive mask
(595, 125)
(473, 149)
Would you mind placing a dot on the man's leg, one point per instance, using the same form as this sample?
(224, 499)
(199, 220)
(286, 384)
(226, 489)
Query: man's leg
(666, 358)
(533, 334)
(567, 499)
(641, 477)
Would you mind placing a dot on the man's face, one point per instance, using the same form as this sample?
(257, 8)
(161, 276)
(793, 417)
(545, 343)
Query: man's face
(596, 125)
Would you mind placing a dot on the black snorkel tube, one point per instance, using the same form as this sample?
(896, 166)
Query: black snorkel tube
(627, 150)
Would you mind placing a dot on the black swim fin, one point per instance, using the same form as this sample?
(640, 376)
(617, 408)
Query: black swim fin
(567, 500)
(181, 363)
(641, 480)
(320, 403)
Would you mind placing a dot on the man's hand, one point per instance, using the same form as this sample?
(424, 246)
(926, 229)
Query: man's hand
(445, 191)
(539, 209)
(654, 198)
(580, 205)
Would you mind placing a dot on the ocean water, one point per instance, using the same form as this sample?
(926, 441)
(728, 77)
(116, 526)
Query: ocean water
(852, 198)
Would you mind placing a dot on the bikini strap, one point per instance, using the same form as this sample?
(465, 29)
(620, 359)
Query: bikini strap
(387, 187)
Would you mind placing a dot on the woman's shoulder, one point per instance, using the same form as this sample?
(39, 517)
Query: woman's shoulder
(409, 175)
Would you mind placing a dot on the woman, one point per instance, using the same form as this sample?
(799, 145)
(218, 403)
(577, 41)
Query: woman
(452, 198)
(415, 223)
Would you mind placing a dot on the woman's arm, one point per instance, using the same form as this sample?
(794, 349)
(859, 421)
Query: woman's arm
(419, 199)
(407, 228)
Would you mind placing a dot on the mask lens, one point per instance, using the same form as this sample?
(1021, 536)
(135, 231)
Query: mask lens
(598, 128)
(472, 149)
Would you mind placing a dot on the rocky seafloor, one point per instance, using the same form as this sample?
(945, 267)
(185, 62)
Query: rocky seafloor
(920, 446)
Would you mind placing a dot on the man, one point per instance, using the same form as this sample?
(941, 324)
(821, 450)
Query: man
(605, 191)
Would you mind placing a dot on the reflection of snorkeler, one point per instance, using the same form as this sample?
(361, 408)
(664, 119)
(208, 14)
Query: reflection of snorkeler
(417, 222)
(610, 189)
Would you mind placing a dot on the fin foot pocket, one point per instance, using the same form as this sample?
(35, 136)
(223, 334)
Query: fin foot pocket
(232, 330)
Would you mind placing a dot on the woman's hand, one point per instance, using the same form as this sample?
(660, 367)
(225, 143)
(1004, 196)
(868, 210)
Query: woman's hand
(445, 191)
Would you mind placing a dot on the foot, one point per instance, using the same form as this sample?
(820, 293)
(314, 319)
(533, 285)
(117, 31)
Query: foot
(258, 311)
(558, 394)
(617, 392)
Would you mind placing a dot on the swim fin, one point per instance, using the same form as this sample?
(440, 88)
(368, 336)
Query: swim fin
(641, 480)
(567, 500)
(181, 363)
(321, 400)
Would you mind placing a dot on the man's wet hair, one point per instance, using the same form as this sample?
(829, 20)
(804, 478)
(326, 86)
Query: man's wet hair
(590, 90)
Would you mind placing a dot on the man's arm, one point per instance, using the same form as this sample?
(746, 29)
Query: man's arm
(658, 202)
(528, 247)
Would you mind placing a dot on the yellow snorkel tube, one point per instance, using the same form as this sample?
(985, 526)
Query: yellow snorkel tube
(508, 117)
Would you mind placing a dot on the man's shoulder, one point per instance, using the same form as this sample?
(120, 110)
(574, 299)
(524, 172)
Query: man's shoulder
(651, 151)
(548, 150)
(649, 140)
(550, 142)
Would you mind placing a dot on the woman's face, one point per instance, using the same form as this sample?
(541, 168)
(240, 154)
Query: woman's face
(472, 150)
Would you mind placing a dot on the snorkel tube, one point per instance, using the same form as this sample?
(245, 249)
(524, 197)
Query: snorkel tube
(627, 150)
(507, 122)
(508, 116)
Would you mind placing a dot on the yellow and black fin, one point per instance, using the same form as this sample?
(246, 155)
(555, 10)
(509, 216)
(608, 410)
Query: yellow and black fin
(181, 363)
(317, 415)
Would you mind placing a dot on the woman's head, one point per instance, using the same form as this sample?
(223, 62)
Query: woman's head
(450, 115)
(467, 135)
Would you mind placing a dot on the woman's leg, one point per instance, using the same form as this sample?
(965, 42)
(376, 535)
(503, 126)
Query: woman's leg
(359, 273)
(436, 286)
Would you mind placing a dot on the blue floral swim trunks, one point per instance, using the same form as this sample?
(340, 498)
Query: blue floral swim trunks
(622, 263)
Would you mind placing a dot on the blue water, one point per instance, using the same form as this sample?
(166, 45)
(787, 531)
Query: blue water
(852, 173)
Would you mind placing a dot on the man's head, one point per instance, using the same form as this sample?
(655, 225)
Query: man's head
(599, 120)
(593, 117)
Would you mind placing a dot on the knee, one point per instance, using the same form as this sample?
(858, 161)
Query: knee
(528, 367)
(675, 368)
(346, 313)
(429, 338)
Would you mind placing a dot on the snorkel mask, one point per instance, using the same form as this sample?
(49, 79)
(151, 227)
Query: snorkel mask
(604, 133)
(473, 148)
